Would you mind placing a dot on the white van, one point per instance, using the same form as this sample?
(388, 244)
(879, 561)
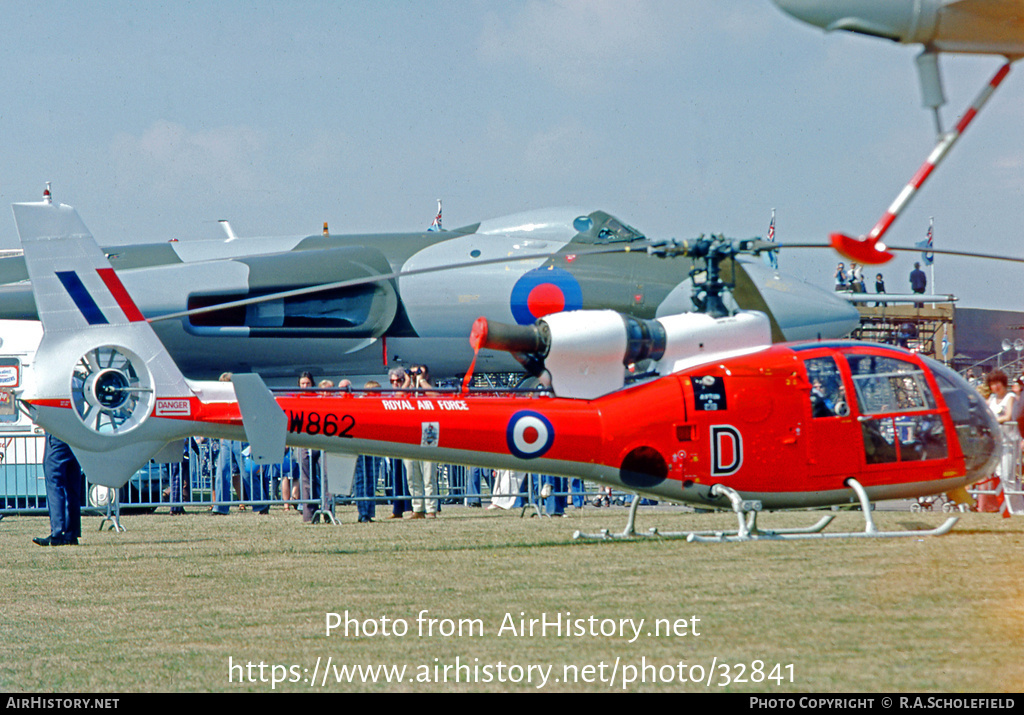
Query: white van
(21, 440)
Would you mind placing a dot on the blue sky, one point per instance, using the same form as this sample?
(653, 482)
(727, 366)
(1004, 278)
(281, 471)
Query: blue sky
(679, 116)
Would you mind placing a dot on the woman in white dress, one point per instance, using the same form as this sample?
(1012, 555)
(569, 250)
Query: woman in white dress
(506, 488)
(1002, 403)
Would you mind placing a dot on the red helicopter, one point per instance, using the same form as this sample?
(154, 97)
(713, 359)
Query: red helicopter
(718, 417)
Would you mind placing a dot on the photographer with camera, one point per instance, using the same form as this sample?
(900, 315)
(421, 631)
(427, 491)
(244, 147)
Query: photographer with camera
(422, 475)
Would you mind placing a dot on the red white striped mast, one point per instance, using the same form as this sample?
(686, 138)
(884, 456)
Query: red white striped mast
(870, 249)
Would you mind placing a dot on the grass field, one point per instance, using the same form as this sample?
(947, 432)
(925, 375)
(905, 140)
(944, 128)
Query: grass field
(172, 602)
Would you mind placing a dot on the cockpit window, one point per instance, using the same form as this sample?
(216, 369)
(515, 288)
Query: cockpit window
(974, 422)
(885, 384)
(828, 394)
(600, 227)
(892, 387)
(614, 230)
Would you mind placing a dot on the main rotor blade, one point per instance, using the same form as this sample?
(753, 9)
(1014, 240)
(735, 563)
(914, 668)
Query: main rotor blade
(917, 249)
(353, 282)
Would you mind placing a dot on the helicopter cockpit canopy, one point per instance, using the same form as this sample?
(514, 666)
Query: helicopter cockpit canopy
(898, 411)
(976, 426)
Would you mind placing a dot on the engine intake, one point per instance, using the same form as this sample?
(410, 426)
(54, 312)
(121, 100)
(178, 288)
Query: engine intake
(585, 351)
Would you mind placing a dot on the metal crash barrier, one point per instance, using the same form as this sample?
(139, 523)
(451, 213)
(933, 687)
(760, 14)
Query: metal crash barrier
(1002, 492)
(193, 484)
(22, 487)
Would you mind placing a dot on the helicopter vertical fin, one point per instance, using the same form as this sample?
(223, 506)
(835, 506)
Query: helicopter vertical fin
(100, 371)
(78, 294)
(77, 286)
(265, 422)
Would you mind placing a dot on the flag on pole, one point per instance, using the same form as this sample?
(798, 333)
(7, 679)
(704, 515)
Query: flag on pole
(773, 260)
(927, 244)
(436, 226)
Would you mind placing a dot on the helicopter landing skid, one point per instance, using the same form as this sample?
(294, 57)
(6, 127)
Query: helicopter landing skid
(745, 510)
(749, 532)
(746, 513)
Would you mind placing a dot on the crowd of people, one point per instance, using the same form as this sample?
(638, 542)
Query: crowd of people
(1006, 400)
(852, 280)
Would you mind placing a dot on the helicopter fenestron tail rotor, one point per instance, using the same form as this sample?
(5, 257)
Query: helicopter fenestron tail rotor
(98, 355)
(111, 390)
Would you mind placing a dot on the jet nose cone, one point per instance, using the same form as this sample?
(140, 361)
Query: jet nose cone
(802, 311)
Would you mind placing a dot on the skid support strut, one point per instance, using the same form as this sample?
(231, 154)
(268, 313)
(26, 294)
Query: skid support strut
(628, 533)
(746, 511)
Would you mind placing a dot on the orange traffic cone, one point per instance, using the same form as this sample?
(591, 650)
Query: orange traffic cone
(990, 502)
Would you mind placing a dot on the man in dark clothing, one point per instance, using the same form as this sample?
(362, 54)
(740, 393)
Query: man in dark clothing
(880, 288)
(918, 282)
(64, 485)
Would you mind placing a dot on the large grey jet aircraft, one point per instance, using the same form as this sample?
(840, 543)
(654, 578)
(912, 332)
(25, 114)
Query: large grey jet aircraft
(520, 268)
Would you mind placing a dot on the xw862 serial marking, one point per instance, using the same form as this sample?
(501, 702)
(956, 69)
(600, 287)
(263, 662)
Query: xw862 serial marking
(327, 424)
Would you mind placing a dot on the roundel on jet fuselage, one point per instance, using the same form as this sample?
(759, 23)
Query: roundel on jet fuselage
(543, 291)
